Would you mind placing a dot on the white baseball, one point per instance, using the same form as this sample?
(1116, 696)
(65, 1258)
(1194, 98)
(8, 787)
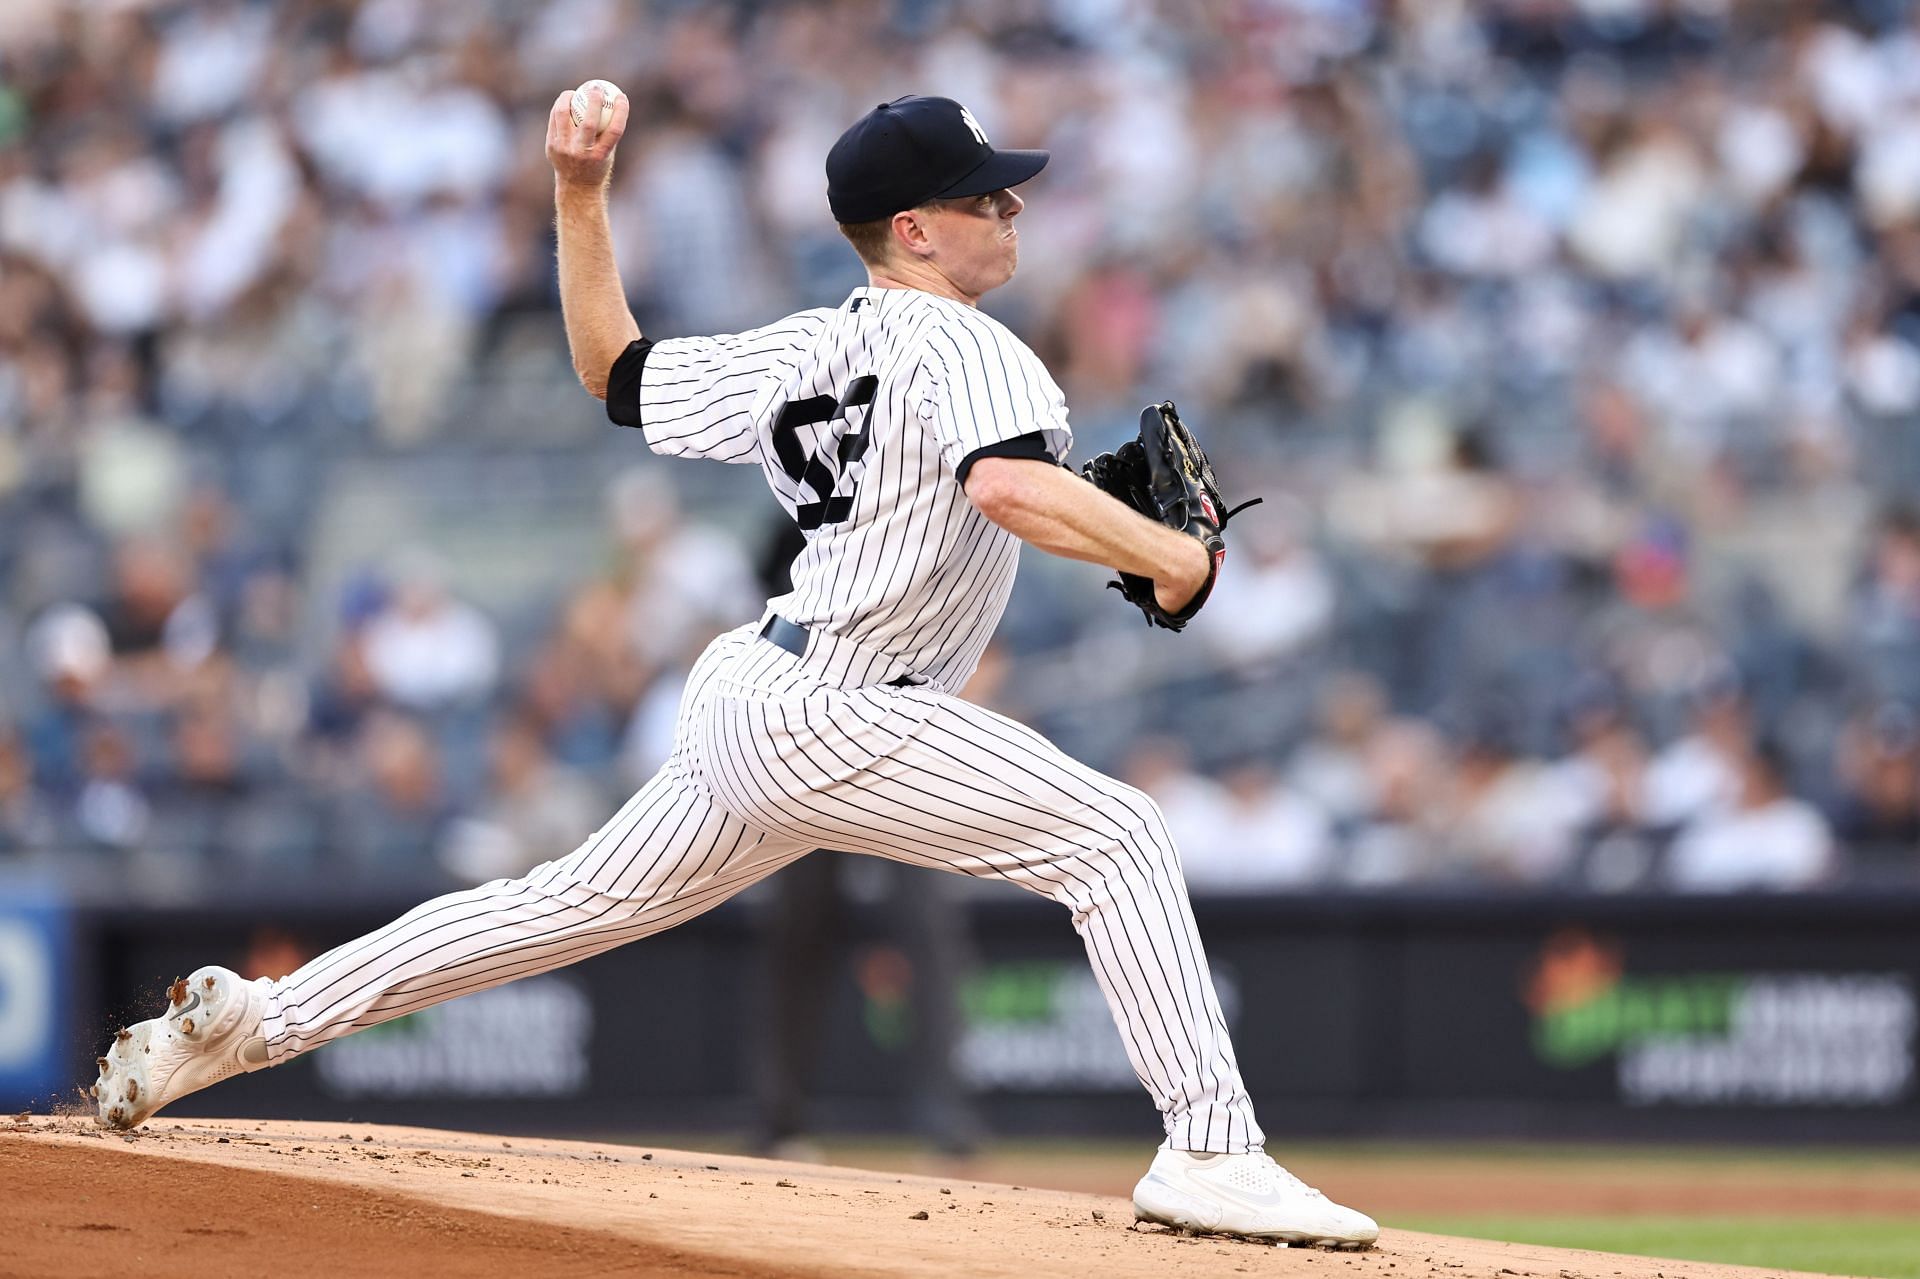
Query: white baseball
(609, 94)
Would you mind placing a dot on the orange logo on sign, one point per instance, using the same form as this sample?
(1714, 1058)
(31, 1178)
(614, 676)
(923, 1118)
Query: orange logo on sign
(1572, 970)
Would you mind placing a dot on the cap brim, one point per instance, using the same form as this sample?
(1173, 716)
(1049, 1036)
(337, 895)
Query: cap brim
(997, 172)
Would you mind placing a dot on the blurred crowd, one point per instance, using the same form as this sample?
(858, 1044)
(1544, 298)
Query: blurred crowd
(1574, 343)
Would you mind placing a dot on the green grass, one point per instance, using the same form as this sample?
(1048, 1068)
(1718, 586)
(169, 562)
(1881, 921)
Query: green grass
(1883, 1247)
(1800, 1158)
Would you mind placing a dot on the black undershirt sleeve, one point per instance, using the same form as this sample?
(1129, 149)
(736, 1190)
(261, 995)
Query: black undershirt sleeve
(623, 407)
(623, 383)
(1031, 445)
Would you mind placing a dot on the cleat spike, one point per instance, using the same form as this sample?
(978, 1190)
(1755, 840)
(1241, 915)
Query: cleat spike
(182, 1050)
(100, 1064)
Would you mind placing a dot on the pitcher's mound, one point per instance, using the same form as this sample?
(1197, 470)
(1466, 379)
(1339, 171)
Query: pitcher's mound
(210, 1198)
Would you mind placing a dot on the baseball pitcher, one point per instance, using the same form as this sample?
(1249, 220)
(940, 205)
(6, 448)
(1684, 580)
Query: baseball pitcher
(917, 443)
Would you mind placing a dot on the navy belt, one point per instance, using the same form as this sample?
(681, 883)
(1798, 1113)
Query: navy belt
(792, 636)
(781, 633)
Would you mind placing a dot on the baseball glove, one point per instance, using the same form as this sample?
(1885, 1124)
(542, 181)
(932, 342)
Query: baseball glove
(1165, 475)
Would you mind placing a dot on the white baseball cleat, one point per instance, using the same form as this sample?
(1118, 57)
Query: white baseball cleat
(1246, 1195)
(211, 1030)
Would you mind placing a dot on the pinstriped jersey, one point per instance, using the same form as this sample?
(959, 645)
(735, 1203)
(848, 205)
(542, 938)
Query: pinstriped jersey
(859, 417)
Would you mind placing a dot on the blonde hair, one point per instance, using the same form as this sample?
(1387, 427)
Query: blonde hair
(870, 239)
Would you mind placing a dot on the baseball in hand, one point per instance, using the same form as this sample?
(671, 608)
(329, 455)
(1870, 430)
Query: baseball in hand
(609, 94)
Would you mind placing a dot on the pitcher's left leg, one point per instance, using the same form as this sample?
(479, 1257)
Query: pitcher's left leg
(920, 777)
(1129, 900)
(923, 778)
(1102, 849)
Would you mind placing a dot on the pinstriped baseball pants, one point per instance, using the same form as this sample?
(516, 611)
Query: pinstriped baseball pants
(772, 761)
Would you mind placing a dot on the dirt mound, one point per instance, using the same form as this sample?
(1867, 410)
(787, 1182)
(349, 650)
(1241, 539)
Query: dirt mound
(207, 1198)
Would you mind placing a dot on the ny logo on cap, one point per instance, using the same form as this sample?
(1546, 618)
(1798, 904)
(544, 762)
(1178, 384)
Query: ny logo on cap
(973, 127)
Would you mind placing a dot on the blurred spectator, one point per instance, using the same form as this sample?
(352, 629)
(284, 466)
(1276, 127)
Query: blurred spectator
(159, 624)
(682, 580)
(1595, 715)
(656, 718)
(1484, 227)
(1616, 848)
(1507, 821)
(1278, 599)
(342, 699)
(73, 656)
(1331, 767)
(212, 539)
(1767, 839)
(206, 778)
(394, 814)
(1398, 839)
(1194, 806)
(536, 809)
(1440, 497)
(1876, 808)
(1266, 837)
(1887, 611)
(1602, 793)
(109, 810)
(426, 649)
(1700, 772)
(26, 818)
(1586, 343)
(582, 681)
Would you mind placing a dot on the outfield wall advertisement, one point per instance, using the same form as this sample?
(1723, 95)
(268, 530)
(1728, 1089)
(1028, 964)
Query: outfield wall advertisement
(36, 1026)
(1723, 1038)
(1755, 1019)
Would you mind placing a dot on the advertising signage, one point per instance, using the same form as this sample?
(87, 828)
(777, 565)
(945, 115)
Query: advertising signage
(1550, 1016)
(1721, 1038)
(35, 1012)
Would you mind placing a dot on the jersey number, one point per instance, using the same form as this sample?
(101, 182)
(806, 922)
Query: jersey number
(822, 472)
